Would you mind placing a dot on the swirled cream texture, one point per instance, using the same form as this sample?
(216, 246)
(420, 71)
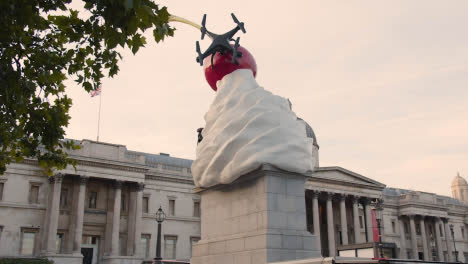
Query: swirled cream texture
(247, 126)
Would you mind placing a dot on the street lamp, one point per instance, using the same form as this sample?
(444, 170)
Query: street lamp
(378, 212)
(454, 246)
(160, 217)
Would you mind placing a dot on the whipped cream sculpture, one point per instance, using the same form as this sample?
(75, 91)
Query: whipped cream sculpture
(246, 125)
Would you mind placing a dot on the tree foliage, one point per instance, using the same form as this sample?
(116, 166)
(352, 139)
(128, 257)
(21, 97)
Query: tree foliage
(44, 42)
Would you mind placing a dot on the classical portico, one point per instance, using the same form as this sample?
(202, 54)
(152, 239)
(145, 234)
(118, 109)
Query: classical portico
(339, 212)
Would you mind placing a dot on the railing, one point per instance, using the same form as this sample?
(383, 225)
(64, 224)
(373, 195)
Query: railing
(389, 261)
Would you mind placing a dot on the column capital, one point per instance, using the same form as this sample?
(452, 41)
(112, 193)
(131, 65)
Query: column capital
(57, 178)
(118, 184)
(83, 180)
(140, 187)
(343, 197)
(355, 198)
(365, 201)
(411, 216)
(329, 195)
(444, 220)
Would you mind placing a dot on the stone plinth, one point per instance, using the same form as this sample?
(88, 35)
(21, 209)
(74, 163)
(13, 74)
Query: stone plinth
(259, 218)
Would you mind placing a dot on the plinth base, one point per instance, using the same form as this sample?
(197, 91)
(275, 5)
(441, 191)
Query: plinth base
(259, 218)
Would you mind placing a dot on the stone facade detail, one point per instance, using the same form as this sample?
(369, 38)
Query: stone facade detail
(108, 204)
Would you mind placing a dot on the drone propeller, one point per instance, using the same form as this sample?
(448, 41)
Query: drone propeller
(200, 56)
(203, 28)
(235, 53)
(240, 24)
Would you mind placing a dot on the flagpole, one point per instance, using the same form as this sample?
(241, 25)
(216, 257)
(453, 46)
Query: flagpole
(99, 116)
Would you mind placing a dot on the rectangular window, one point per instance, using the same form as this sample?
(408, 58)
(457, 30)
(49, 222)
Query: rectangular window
(92, 200)
(170, 243)
(58, 243)
(418, 229)
(64, 198)
(144, 245)
(28, 241)
(123, 246)
(1, 190)
(123, 203)
(34, 194)
(145, 204)
(193, 241)
(393, 227)
(360, 222)
(196, 208)
(171, 207)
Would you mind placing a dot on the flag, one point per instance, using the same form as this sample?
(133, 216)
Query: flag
(95, 92)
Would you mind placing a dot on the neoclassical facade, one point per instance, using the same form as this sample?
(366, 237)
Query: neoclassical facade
(104, 211)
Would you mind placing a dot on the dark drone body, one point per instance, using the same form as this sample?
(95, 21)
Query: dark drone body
(221, 43)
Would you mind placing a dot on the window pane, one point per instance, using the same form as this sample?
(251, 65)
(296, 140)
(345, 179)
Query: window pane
(92, 199)
(145, 204)
(123, 203)
(63, 198)
(144, 246)
(170, 247)
(1, 190)
(27, 245)
(171, 207)
(34, 194)
(58, 243)
(196, 209)
(193, 241)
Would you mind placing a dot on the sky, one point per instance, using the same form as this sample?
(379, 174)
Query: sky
(384, 84)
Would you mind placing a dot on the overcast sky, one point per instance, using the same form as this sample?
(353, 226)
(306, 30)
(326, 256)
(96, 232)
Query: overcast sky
(384, 84)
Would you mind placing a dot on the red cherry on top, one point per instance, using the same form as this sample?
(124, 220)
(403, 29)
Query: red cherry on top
(223, 66)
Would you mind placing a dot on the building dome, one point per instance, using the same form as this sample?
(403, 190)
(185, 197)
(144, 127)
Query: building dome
(309, 132)
(459, 181)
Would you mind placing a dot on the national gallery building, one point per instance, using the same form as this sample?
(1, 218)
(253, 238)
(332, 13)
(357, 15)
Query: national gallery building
(105, 211)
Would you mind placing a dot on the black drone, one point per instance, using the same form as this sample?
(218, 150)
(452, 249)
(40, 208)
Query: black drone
(221, 43)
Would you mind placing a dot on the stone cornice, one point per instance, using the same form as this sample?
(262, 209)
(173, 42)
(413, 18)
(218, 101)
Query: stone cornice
(167, 178)
(313, 178)
(351, 173)
(100, 164)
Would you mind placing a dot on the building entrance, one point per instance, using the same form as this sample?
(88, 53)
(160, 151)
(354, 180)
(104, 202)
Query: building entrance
(89, 249)
(87, 255)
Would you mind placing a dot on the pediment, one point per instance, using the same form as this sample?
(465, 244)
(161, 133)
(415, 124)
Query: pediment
(341, 176)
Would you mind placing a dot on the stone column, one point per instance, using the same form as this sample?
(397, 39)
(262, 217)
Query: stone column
(79, 216)
(403, 254)
(330, 225)
(54, 216)
(344, 223)
(414, 243)
(449, 241)
(131, 215)
(440, 250)
(424, 239)
(369, 231)
(357, 228)
(116, 219)
(138, 214)
(316, 217)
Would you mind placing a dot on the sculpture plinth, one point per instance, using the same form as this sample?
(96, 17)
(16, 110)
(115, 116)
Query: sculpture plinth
(259, 218)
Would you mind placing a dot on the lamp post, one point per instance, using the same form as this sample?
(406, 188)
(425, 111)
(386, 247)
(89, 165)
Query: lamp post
(378, 212)
(454, 246)
(160, 217)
